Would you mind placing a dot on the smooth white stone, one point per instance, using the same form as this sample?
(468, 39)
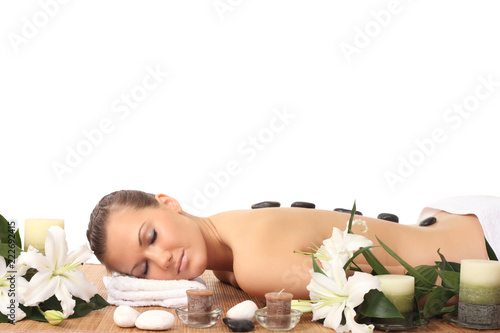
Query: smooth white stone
(155, 320)
(125, 316)
(243, 310)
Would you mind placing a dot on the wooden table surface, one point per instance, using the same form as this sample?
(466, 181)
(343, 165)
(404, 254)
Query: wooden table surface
(225, 297)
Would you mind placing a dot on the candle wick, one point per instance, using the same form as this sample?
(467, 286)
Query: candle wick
(281, 291)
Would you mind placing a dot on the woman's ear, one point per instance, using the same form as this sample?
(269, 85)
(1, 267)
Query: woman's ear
(170, 202)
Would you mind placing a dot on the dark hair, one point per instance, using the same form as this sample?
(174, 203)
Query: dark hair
(96, 233)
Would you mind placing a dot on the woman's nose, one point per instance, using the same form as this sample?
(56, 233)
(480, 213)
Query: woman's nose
(161, 257)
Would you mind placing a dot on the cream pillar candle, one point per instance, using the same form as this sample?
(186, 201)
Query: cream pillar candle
(35, 232)
(480, 282)
(400, 290)
(479, 295)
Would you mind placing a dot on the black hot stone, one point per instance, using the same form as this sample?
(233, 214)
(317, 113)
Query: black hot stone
(266, 204)
(388, 217)
(239, 325)
(427, 222)
(303, 204)
(348, 211)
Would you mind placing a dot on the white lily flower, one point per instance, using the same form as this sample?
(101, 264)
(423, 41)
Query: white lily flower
(29, 259)
(341, 244)
(333, 295)
(7, 293)
(58, 273)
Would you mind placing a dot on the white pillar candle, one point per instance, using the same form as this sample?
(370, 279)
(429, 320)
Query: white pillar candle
(35, 232)
(480, 281)
(399, 289)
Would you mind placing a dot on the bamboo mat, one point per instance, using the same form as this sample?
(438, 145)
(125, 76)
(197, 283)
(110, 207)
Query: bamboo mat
(225, 297)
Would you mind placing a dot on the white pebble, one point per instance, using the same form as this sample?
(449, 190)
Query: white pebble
(155, 320)
(243, 310)
(125, 316)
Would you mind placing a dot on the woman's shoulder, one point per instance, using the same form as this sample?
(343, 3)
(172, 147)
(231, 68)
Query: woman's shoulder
(262, 222)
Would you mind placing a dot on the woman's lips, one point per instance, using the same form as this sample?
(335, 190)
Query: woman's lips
(182, 263)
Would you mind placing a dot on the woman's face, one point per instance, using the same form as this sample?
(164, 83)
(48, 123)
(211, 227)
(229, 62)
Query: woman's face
(155, 243)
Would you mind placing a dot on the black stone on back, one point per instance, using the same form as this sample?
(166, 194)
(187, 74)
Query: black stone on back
(348, 211)
(388, 217)
(428, 221)
(303, 204)
(266, 204)
(239, 325)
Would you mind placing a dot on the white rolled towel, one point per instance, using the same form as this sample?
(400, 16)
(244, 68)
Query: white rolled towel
(486, 208)
(132, 291)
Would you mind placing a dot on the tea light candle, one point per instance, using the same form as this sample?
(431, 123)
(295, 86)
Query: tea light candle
(35, 232)
(278, 303)
(479, 295)
(400, 290)
(199, 300)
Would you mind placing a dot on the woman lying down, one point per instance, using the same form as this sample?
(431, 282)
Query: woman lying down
(150, 236)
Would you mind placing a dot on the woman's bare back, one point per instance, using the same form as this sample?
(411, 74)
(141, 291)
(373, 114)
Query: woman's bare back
(263, 242)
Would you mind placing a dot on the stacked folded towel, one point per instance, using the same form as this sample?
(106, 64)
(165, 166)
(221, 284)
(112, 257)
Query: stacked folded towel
(132, 291)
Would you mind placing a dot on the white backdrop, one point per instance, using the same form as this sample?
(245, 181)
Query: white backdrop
(226, 103)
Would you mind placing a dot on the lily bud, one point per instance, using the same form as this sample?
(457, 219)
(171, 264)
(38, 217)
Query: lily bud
(54, 317)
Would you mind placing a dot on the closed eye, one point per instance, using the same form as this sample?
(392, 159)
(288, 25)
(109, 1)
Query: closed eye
(153, 238)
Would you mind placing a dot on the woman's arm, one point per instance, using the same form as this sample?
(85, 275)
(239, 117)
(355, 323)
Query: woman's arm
(226, 277)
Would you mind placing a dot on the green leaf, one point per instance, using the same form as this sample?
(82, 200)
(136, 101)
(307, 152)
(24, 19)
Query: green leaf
(374, 263)
(449, 309)
(4, 319)
(4, 230)
(316, 267)
(450, 280)
(99, 302)
(407, 266)
(7, 249)
(377, 305)
(26, 310)
(355, 254)
(353, 211)
(18, 239)
(450, 266)
(430, 273)
(418, 313)
(29, 273)
(51, 303)
(427, 271)
(491, 253)
(445, 265)
(8, 243)
(35, 315)
(435, 304)
(82, 309)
